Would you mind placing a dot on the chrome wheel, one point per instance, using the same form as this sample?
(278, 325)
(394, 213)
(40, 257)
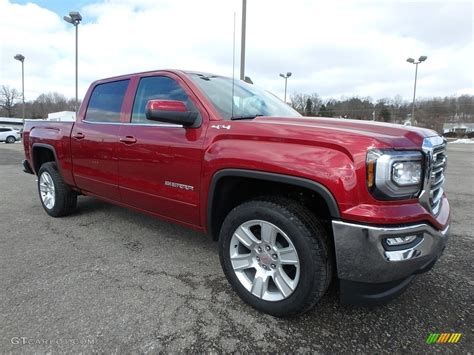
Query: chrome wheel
(47, 193)
(264, 260)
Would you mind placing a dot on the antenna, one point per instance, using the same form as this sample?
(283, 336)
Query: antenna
(233, 70)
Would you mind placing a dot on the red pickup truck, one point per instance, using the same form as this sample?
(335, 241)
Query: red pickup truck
(295, 202)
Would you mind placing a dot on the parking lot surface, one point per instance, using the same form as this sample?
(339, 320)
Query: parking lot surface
(110, 279)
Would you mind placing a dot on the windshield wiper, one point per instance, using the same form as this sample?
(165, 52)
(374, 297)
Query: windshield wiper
(250, 117)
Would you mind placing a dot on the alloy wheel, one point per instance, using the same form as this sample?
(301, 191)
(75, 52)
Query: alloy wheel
(47, 191)
(264, 260)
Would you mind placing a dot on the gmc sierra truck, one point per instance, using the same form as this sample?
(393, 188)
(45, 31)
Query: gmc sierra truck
(295, 202)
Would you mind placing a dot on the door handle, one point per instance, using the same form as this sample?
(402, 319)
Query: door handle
(79, 135)
(128, 140)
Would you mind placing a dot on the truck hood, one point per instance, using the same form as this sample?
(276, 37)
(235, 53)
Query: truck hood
(387, 134)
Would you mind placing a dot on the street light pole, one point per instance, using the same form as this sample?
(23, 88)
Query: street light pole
(285, 76)
(413, 61)
(74, 19)
(21, 58)
(414, 94)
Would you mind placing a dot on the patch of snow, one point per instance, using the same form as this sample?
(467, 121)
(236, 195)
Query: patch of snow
(463, 141)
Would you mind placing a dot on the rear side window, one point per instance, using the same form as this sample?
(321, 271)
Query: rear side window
(106, 101)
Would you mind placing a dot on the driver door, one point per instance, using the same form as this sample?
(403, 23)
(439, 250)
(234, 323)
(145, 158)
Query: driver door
(160, 163)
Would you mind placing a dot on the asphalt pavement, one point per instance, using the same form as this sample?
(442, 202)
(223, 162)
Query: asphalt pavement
(107, 279)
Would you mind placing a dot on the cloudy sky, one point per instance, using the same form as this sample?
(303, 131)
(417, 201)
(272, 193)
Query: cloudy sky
(334, 48)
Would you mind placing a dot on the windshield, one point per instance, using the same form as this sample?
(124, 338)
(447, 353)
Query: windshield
(247, 101)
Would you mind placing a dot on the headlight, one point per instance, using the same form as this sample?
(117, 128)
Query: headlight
(394, 174)
(406, 173)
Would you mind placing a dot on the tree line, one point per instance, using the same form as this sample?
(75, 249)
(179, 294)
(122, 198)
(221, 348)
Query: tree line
(430, 113)
(11, 104)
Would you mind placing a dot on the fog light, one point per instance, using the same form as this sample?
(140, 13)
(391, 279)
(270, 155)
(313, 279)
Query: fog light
(400, 240)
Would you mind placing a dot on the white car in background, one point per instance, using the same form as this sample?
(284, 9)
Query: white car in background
(9, 135)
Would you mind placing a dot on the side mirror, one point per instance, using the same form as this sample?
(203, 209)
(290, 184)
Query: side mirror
(171, 111)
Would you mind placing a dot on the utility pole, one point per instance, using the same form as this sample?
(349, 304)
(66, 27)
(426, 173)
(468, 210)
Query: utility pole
(242, 42)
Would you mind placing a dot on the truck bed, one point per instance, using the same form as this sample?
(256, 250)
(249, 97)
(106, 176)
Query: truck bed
(39, 133)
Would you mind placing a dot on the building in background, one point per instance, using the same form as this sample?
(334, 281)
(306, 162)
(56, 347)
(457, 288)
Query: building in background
(67, 116)
(459, 128)
(11, 122)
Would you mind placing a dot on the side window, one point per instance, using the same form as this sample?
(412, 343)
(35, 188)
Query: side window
(105, 103)
(3, 130)
(157, 88)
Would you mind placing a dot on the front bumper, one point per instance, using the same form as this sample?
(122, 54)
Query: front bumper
(370, 271)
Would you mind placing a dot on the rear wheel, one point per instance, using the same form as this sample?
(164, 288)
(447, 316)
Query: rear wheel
(275, 254)
(56, 197)
(10, 139)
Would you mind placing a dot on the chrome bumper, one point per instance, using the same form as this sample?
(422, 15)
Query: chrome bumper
(362, 256)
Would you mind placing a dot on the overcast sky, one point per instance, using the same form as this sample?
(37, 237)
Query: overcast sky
(333, 48)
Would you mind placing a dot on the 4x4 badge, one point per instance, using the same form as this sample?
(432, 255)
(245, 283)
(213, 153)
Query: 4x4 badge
(219, 126)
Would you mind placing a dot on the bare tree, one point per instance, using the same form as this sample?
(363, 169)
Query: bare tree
(307, 105)
(8, 99)
(298, 102)
(50, 102)
(430, 112)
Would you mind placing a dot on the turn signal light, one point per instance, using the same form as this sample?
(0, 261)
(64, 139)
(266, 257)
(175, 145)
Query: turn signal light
(370, 173)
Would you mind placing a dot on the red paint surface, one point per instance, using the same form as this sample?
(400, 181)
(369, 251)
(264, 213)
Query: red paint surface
(166, 105)
(130, 164)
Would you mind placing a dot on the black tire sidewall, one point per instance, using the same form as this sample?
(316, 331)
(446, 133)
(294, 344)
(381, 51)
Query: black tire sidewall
(297, 232)
(9, 141)
(60, 207)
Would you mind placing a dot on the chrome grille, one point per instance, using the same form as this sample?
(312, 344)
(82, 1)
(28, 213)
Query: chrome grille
(435, 166)
(438, 161)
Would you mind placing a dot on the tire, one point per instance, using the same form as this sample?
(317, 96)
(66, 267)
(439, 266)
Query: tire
(10, 139)
(50, 183)
(296, 228)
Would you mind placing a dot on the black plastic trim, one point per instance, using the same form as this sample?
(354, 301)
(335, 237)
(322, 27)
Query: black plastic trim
(373, 294)
(191, 119)
(370, 294)
(42, 145)
(26, 167)
(260, 175)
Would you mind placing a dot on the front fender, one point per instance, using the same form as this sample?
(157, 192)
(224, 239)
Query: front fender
(327, 170)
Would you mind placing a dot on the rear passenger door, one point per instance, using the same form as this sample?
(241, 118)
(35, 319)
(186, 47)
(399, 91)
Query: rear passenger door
(94, 141)
(160, 163)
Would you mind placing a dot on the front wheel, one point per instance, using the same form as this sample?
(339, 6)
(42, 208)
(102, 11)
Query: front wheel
(10, 139)
(275, 254)
(56, 197)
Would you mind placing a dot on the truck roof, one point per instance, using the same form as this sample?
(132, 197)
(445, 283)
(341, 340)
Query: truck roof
(175, 71)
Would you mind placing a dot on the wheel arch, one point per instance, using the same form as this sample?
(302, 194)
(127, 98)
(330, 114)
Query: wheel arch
(215, 216)
(42, 153)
